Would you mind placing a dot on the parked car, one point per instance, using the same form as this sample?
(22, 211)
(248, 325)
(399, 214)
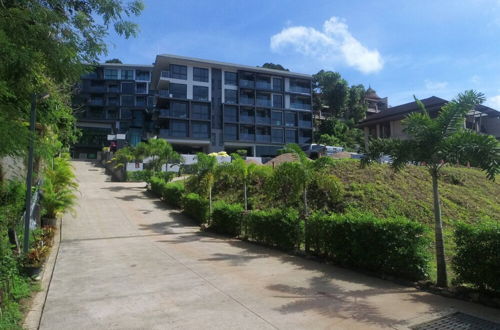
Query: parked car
(330, 150)
(314, 150)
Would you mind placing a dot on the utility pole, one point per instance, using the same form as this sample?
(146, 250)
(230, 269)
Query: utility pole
(27, 214)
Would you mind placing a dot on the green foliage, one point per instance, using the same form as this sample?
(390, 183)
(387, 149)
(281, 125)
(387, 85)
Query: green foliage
(393, 246)
(173, 193)
(325, 192)
(280, 228)
(333, 92)
(12, 195)
(286, 184)
(204, 175)
(196, 207)
(140, 176)
(227, 218)
(477, 259)
(335, 132)
(274, 66)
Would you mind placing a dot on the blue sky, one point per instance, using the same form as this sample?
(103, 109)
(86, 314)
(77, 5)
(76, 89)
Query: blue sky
(400, 48)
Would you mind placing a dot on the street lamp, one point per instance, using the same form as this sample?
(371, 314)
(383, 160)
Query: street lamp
(27, 214)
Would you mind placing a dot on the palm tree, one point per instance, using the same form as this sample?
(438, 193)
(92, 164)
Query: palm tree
(160, 151)
(435, 143)
(204, 170)
(243, 170)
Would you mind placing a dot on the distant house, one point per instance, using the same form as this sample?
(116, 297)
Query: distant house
(374, 102)
(388, 123)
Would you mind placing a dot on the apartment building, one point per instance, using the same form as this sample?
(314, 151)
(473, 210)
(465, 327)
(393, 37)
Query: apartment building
(211, 106)
(115, 102)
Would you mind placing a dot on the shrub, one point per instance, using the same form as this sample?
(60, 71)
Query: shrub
(139, 176)
(477, 259)
(227, 218)
(281, 228)
(325, 192)
(395, 246)
(196, 207)
(157, 186)
(173, 193)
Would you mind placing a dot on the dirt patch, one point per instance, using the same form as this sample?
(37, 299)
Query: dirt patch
(284, 158)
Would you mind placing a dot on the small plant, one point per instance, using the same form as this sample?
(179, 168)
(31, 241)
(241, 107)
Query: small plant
(196, 207)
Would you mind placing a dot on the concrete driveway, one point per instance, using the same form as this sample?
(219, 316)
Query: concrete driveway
(127, 261)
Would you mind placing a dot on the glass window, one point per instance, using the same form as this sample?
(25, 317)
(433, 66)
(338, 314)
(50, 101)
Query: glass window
(113, 88)
(277, 84)
(200, 74)
(128, 100)
(127, 74)
(230, 96)
(277, 135)
(179, 128)
(230, 132)
(230, 114)
(112, 100)
(112, 114)
(200, 93)
(128, 88)
(230, 78)
(140, 101)
(110, 74)
(263, 82)
(200, 111)
(142, 75)
(300, 102)
(300, 86)
(290, 119)
(290, 136)
(179, 109)
(262, 116)
(178, 71)
(247, 80)
(247, 97)
(125, 114)
(141, 88)
(200, 129)
(264, 99)
(178, 91)
(277, 101)
(247, 115)
(277, 118)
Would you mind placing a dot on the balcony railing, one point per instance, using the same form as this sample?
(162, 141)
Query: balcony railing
(299, 89)
(247, 83)
(230, 137)
(263, 85)
(247, 137)
(303, 139)
(305, 123)
(246, 119)
(247, 100)
(165, 74)
(263, 120)
(302, 106)
(163, 133)
(113, 102)
(98, 89)
(164, 93)
(263, 138)
(230, 119)
(96, 102)
(263, 103)
(114, 90)
(290, 124)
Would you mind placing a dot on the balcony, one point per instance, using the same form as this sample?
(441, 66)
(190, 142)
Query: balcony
(113, 89)
(263, 138)
(263, 120)
(247, 137)
(164, 93)
(263, 85)
(98, 89)
(230, 137)
(112, 102)
(230, 119)
(305, 139)
(299, 89)
(98, 102)
(264, 102)
(244, 83)
(163, 133)
(305, 123)
(247, 100)
(165, 74)
(247, 119)
(302, 106)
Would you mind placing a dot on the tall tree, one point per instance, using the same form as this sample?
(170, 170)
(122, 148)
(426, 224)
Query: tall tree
(356, 106)
(333, 92)
(435, 143)
(274, 66)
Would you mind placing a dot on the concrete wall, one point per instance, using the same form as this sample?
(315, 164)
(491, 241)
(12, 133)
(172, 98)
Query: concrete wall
(13, 168)
(492, 125)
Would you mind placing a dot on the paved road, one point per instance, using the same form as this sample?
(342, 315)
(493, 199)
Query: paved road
(127, 261)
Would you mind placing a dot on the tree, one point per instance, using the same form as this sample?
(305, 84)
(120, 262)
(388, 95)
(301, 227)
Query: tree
(204, 177)
(160, 151)
(356, 106)
(333, 92)
(114, 60)
(435, 143)
(274, 66)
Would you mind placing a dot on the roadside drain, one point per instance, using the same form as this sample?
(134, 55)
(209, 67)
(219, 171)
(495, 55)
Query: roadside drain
(458, 321)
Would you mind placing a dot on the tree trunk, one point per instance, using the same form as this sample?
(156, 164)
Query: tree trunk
(245, 195)
(306, 242)
(442, 277)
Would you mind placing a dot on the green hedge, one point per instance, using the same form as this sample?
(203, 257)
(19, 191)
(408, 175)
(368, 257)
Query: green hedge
(196, 207)
(173, 193)
(157, 186)
(139, 176)
(394, 246)
(227, 218)
(477, 258)
(281, 228)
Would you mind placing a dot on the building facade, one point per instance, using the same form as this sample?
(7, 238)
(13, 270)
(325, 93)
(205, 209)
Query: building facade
(116, 99)
(196, 105)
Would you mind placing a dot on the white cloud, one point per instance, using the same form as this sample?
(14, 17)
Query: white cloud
(331, 45)
(435, 85)
(494, 102)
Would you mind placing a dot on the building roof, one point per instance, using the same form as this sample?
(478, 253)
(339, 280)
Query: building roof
(117, 65)
(432, 104)
(166, 57)
(371, 94)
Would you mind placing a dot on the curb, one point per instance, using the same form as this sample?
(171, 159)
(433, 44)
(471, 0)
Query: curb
(34, 314)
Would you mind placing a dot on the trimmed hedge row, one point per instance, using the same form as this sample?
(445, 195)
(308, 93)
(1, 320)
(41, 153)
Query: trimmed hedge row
(196, 207)
(227, 218)
(281, 228)
(171, 192)
(477, 258)
(394, 246)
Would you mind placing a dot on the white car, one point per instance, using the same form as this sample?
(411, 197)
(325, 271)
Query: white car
(330, 150)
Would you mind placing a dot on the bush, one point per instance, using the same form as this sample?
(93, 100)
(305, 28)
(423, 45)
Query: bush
(281, 228)
(139, 176)
(173, 193)
(325, 192)
(477, 259)
(157, 186)
(196, 207)
(227, 218)
(394, 246)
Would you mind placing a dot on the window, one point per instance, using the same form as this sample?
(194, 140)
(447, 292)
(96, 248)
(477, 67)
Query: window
(112, 114)
(247, 133)
(277, 135)
(179, 109)
(200, 111)
(178, 91)
(200, 93)
(127, 74)
(247, 97)
(305, 119)
(247, 115)
(277, 118)
(277, 101)
(96, 100)
(230, 96)
(278, 84)
(112, 100)
(110, 74)
(290, 119)
(128, 100)
(125, 114)
(113, 88)
(128, 88)
(200, 129)
(142, 75)
(262, 134)
(178, 71)
(230, 132)
(96, 113)
(263, 82)
(140, 101)
(264, 100)
(230, 114)
(300, 102)
(290, 136)
(300, 86)
(179, 128)
(200, 74)
(247, 80)
(141, 88)
(262, 117)
(230, 78)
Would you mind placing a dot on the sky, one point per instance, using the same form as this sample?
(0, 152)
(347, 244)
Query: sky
(400, 48)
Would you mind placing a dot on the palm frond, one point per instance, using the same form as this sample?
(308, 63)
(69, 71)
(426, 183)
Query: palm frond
(402, 152)
(452, 115)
